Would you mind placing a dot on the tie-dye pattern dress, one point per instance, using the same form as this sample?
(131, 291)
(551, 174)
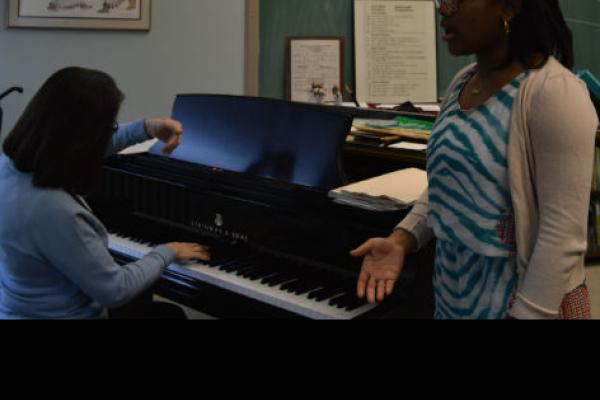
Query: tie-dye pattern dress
(470, 207)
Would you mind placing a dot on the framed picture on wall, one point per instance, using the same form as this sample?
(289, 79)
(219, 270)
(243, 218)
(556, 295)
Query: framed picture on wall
(315, 72)
(80, 14)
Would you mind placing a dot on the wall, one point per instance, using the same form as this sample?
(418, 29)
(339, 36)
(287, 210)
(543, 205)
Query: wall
(193, 46)
(583, 16)
(280, 19)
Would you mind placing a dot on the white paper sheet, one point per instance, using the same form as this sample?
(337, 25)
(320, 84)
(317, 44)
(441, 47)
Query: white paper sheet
(388, 192)
(409, 146)
(396, 51)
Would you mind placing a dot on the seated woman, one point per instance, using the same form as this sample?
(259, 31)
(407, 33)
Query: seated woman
(54, 258)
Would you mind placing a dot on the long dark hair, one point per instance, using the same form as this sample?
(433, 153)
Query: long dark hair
(540, 28)
(62, 136)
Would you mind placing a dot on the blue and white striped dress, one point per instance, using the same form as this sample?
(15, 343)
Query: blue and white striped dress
(470, 207)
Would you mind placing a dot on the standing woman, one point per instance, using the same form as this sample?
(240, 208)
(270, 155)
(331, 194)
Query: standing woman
(510, 171)
(54, 259)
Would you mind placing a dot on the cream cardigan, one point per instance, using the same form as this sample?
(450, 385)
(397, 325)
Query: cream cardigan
(550, 161)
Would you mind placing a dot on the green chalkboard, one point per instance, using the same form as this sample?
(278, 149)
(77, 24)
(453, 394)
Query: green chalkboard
(583, 17)
(280, 19)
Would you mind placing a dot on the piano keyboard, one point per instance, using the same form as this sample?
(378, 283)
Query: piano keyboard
(309, 296)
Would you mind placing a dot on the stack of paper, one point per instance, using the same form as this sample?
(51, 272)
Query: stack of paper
(401, 126)
(391, 192)
(382, 138)
(409, 146)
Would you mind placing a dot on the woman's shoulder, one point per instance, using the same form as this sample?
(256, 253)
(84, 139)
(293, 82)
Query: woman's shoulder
(557, 100)
(47, 204)
(554, 87)
(554, 79)
(38, 201)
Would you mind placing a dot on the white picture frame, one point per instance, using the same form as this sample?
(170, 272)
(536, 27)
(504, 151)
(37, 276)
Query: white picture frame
(81, 14)
(315, 60)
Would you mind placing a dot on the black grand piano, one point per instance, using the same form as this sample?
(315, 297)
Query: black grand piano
(251, 180)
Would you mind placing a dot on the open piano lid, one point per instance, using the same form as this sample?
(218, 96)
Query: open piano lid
(288, 142)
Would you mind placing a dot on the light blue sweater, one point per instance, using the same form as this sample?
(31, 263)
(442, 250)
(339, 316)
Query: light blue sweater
(54, 259)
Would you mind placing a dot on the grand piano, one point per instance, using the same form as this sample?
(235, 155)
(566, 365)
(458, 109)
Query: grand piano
(251, 180)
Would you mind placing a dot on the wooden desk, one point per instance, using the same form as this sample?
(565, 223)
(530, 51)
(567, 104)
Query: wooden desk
(364, 161)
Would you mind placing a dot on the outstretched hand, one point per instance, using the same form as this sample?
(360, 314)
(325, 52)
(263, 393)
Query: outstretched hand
(382, 265)
(166, 130)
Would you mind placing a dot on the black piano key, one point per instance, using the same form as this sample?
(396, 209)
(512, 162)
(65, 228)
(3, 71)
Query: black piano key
(277, 272)
(235, 266)
(310, 287)
(355, 304)
(243, 265)
(247, 269)
(251, 272)
(291, 286)
(300, 286)
(304, 276)
(343, 301)
(327, 294)
(226, 265)
(259, 273)
(217, 262)
(263, 276)
(323, 285)
(262, 273)
(220, 258)
(231, 268)
(267, 280)
(319, 293)
(331, 301)
(282, 279)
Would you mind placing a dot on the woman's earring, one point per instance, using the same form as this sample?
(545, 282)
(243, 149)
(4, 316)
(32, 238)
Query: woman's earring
(506, 27)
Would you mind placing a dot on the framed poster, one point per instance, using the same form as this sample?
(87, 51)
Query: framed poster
(80, 14)
(315, 69)
(396, 51)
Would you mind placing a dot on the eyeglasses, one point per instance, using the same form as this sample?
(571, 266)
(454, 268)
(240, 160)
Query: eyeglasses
(448, 7)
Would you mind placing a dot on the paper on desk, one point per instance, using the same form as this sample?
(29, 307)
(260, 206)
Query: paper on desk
(409, 146)
(390, 192)
(140, 148)
(401, 126)
(426, 107)
(432, 108)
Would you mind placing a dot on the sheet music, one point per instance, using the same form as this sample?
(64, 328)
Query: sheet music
(396, 58)
(140, 148)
